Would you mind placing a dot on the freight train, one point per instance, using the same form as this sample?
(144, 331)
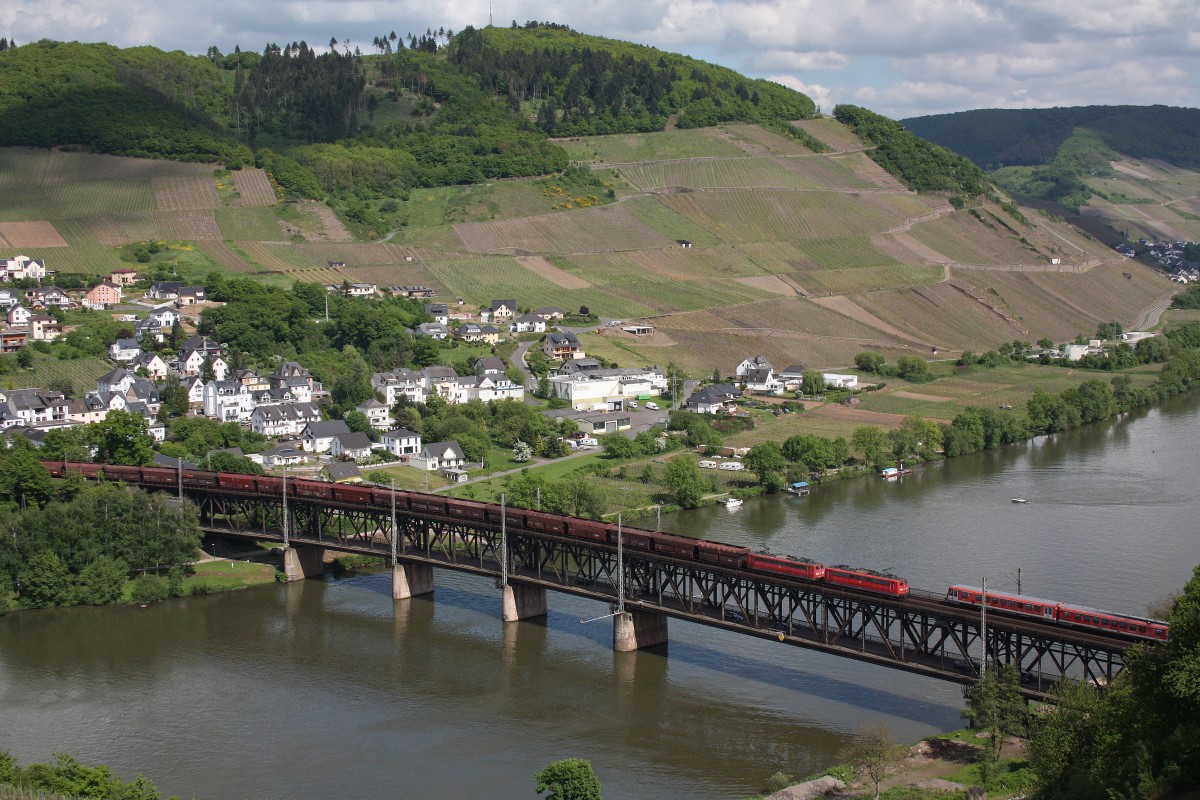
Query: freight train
(634, 539)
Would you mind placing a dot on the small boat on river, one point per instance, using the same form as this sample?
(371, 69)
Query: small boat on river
(732, 502)
(1019, 500)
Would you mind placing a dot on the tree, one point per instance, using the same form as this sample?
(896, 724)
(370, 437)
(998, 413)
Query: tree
(869, 362)
(521, 452)
(767, 461)
(814, 382)
(683, 480)
(568, 779)
(45, 581)
(102, 581)
(618, 445)
(874, 752)
(357, 421)
(913, 369)
(25, 358)
(122, 439)
(23, 478)
(872, 442)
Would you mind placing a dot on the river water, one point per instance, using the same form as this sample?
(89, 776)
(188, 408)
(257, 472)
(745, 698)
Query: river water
(327, 688)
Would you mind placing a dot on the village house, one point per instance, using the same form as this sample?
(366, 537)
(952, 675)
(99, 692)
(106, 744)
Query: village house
(153, 364)
(164, 290)
(86, 410)
(193, 386)
(528, 323)
(124, 350)
(342, 472)
(317, 437)
(835, 380)
(189, 296)
(353, 446)
(9, 298)
(19, 268)
(45, 328)
(123, 277)
(401, 442)
(491, 365)
(434, 330)
(484, 388)
(549, 312)
(48, 297)
(439, 311)
(753, 363)
(472, 333)
(13, 339)
(101, 296)
(18, 316)
(228, 401)
(399, 383)
(439, 456)
(411, 291)
(498, 311)
(561, 346)
(599, 389)
(719, 398)
(284, 455)
(376, 413)
(32, 407)
(762, 380)
(359, 290)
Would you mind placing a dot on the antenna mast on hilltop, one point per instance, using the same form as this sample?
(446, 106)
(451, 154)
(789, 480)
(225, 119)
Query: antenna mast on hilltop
(489, 15)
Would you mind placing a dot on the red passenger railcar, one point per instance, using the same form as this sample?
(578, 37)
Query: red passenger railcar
(1085, 617)
(786, 565)
(1016, 604)
(871, 581)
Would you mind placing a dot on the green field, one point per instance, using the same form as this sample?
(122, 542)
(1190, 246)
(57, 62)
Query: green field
(665, 146)
(82, 373)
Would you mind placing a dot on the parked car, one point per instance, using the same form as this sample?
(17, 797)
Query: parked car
(652, 406)
(631, 404)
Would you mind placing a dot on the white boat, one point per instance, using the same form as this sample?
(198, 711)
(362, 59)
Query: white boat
(732, 502)
(1019, 500)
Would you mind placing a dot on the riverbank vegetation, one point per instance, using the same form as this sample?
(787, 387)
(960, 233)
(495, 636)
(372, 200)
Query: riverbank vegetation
(73, 543)
(65, 778)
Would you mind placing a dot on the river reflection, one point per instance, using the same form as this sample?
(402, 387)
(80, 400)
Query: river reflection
(329, 688)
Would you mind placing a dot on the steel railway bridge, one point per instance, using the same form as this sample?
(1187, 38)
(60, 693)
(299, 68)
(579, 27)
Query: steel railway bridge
(919, 633)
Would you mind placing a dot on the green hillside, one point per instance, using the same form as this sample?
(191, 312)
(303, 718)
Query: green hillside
(997, 137)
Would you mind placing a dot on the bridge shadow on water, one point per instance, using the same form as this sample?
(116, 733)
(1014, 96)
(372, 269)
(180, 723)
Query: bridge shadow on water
(742, 659)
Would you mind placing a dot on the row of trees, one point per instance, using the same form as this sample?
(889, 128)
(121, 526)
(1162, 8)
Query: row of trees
(65, 776)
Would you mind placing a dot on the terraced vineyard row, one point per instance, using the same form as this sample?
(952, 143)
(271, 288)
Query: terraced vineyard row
(248, 224)
(25, 167)
(716, 173)
(588, 231)
(185, 193)
(254, 187)
(757, 217)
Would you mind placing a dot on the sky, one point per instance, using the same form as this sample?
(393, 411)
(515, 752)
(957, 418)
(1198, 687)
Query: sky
(901, 58)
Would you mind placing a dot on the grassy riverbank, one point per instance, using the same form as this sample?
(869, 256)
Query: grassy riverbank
(936, 768)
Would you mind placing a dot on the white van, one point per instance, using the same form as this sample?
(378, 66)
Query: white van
(652, 406)
(631, 404)
(707, 465)
(732, 466)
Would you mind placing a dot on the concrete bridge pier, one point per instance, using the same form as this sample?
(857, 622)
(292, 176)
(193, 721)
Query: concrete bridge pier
(523, 602)
(411, 580)
(303, 562)
(634, 630)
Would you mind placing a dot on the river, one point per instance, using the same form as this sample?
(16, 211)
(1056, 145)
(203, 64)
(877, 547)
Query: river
(325, 688)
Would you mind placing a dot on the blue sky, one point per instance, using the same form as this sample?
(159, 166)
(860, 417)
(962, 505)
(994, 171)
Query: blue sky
(900, 58)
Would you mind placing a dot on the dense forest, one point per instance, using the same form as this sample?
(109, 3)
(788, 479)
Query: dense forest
(921, 165)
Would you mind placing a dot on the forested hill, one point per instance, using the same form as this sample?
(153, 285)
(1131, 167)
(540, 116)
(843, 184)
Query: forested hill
(995, 137)
(445, 109)
(585, 85)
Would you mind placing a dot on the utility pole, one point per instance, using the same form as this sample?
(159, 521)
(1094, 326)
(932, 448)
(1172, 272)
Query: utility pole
(1018, 580)
(285, 509)
(983, 629)
(393, 535)
(503, 543)
(620, 570)
(327, 306)
(539, 498)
